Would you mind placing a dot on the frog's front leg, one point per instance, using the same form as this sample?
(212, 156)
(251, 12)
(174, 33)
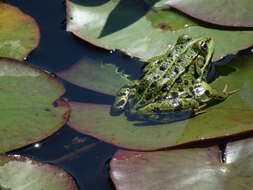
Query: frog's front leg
(121, 98)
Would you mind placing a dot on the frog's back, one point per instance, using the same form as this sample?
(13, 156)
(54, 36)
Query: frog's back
(163, 72)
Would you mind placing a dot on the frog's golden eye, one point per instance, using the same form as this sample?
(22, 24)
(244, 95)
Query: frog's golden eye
(203, 46)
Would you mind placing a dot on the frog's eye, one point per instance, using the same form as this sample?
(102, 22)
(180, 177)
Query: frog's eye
(203, 46)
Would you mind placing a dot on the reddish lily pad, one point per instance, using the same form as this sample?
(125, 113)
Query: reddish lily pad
(17, 172)
(198, 169)
(233, 116)
(19, 33)
(27, 110)
(142, 31)
(233, 13)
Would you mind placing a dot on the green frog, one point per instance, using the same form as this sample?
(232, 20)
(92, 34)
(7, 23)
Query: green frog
(173, 86)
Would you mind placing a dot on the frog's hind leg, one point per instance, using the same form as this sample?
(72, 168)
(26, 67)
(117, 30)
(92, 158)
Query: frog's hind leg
(214, 94)
(121, 98)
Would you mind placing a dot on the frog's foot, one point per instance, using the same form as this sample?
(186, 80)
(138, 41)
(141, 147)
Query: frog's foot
(228, 93)
(118, 108)
(120, 102)
(200, 110)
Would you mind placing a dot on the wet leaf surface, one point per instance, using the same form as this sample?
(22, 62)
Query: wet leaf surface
(198, 169)
(230, 117)
(23, 173)
(19, 33)
(221, 12)
(27, 105)
(140, 30)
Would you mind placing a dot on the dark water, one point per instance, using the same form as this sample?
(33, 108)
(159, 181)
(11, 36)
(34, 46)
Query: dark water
(85, 158)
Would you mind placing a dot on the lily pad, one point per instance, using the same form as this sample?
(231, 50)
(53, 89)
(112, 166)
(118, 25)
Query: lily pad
(199, 168)
(233, 13)
(141, 30)
(233, 116)
(96, 76)
(28, 109)
(19, 33)
(17, 172)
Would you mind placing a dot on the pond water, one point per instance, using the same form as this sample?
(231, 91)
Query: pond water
(84, 157)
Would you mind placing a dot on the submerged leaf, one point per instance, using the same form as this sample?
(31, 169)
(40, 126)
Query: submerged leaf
(27, 109)
(23, 173)
(141, 30)
(221, 12)
(198, 169)
(230, 117)
(19, 33)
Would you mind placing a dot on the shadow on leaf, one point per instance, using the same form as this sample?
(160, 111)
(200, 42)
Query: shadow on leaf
(121, 17)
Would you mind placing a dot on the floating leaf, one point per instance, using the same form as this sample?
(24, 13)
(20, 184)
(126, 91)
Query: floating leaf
(142, 31)
(168, 20)
(96, 76)
(198, 169)
(19, 33)
(23, 173)
(233, 116)
(221, 12)
(27, 112)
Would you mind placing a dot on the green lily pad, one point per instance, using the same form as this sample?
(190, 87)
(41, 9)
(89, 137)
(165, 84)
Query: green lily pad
(232, 13)
(17, 172)
(233, 116)
(198, 169)
(27, 108)
(143, 31)
(19, 33)
(89, 74)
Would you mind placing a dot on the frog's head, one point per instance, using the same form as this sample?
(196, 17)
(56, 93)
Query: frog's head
(205, 49)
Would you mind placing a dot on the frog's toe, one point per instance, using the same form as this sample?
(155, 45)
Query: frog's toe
(225, 89)
(228, 93)
(198, 112)
(233, 91)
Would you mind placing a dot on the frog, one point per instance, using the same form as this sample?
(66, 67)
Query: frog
(173, 85)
